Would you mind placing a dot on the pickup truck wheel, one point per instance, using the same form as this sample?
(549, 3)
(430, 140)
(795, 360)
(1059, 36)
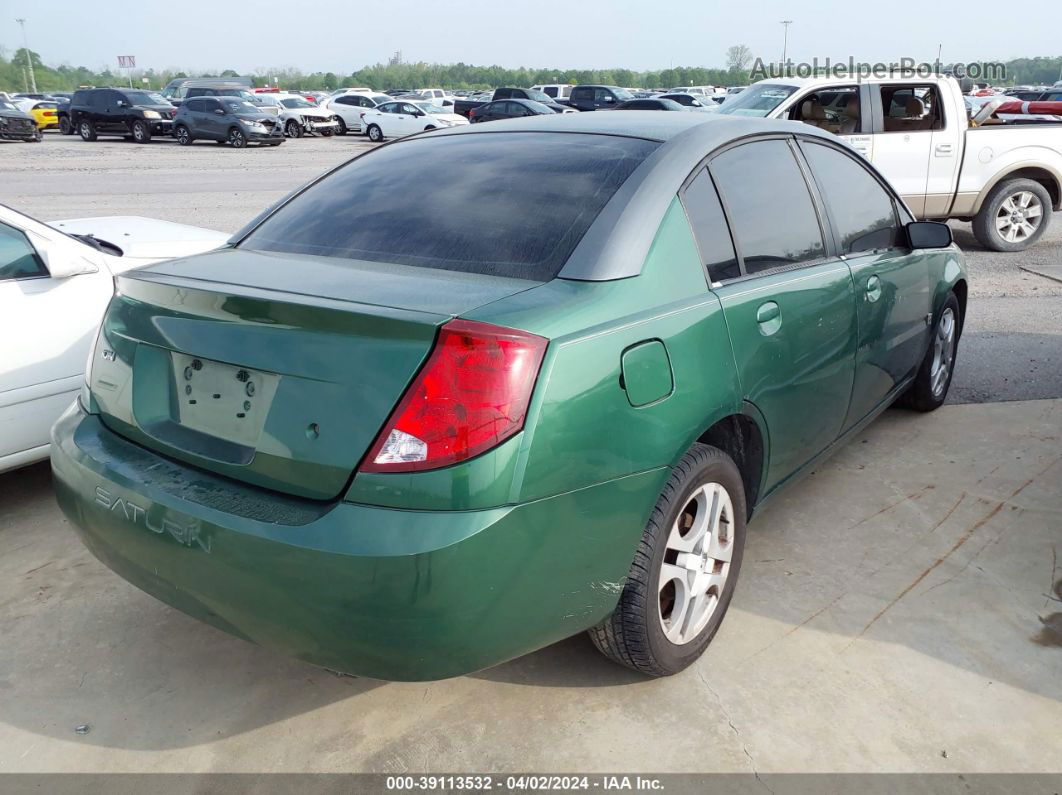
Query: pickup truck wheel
(65, 127)
(684, 571)
(141, 132)
(183, 135)
(375, 133)
(1014, 215)
(293, 129)
(87, 131)
(930, 387)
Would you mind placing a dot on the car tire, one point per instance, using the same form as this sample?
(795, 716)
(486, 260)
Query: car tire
(341, 129)
(86, 130)
(375, 133)
(702, 509)
(183, 135)
(141, 132)
(930, 387)
(326, 133)
(65, 127)
(237, 139)
(1010, 209)
(293, 129)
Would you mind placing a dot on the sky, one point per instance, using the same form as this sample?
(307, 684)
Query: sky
(328, 35)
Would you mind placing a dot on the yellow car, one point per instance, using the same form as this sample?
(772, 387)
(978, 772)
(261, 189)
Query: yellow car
(45, 114)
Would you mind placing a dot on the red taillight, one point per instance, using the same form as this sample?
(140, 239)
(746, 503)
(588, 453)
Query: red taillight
(471, 395)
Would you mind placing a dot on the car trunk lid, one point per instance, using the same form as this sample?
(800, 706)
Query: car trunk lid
(273, 369)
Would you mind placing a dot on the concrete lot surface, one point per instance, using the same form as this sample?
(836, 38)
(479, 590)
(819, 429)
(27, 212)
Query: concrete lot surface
(899, 610)
(899, 605)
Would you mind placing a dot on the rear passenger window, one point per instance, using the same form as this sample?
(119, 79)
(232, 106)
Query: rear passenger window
(862, 210)
(769, 206)
(710, 229)
(909, 108)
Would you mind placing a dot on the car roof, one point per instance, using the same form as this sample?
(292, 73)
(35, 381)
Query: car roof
(651, 125)
(618, 241)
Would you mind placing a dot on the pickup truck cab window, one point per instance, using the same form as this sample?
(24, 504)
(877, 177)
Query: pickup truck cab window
(18, 259)
(771, 213)
(910, 108)
(836, 110)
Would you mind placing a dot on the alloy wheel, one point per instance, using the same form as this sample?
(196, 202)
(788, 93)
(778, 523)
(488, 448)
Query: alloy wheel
(696, 563)
(237, 139)
(1019, 216)
(943, 352)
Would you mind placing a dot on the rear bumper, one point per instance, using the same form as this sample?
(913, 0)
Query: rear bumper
(384, 593)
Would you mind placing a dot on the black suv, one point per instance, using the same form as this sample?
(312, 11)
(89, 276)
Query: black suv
(128, 112)
(594, 97)
(226, 120)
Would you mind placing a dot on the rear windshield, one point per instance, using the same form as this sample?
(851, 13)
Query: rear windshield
(511, 204)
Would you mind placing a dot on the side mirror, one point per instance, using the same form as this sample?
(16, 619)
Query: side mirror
(65, 267)
(928, 234)
(219, 111)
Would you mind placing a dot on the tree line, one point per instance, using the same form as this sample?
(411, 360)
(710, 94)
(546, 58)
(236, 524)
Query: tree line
(13, 75)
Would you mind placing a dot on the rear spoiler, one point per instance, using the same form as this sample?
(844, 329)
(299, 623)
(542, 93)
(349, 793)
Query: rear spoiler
(1015, 107)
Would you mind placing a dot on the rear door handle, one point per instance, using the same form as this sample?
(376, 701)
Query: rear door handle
(769, 318)
(944, 150)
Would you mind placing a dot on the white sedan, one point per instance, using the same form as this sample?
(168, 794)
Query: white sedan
(55, 282)
(349, 106)
(405, 117)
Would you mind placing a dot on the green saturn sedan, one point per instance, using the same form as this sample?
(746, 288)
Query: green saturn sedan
(408, 428)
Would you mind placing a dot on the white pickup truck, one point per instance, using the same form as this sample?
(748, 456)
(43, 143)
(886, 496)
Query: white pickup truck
(1004, 176)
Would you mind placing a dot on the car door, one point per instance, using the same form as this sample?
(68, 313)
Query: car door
(904, 123)
(46, 328)
(790, 311)
(409, 120)
(347, 108)
(98, 101)
(213, 123)
(892, 289)
(115, 112)
(603, 98)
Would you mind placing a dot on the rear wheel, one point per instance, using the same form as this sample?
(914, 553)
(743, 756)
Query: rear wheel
(65, 127)
(183, 135)
(684, 571)
(342, 128)
(293, 129)
(1014, 215)
(86, 130)
(930, 387)
(375, 133)
(237, 140)
(141, 132)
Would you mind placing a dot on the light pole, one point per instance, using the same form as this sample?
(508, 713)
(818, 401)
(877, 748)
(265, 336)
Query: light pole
(785, 43)
(29, 58)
